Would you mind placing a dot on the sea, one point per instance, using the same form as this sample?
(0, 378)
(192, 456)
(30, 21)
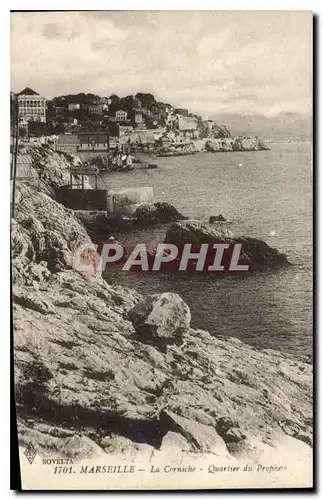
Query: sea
(264, 194)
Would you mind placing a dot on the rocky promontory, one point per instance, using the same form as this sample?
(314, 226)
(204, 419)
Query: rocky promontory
(101, 369)
(255, 253)
(235, 144)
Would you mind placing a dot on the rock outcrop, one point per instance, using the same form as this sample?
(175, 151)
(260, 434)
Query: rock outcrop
(97, 370)
(82, 371)
(101, 226)
(254, 252)
(52, 168)
(170, 149)
(220, 132)
(235, 144)
(44, 233)
(157, 213)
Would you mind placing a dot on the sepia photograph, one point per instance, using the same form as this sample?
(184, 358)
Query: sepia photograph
(161, 206)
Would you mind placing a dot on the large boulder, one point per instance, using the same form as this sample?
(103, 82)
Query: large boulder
(44, 231)
(161, 318)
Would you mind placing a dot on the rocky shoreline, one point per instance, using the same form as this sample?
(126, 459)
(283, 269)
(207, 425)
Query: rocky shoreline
(235, 144)
(106, 161)
(102, 369)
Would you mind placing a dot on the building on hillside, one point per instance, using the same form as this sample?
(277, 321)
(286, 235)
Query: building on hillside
(121, 116)
(137, 103)
(73, 106)
(59, 110)
(141, 137)
(156, 117)
(93, 141)
(67, 143)
(186, 123)
(105, 102)
(146, 112)
(181, 111)
(124, 130)
(209, 124)
(187, 127)
(113, 142)
(98, 108)
(141, 126)
(31, 106)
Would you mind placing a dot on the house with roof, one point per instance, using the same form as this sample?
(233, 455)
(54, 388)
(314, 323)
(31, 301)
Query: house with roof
(74, 106)
(93, 141)
(67, 143)
(31, 106)
(121, 116)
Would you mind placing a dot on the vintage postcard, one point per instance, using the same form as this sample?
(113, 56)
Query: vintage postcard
(161, 227)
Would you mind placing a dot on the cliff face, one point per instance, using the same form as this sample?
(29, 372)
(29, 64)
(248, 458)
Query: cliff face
(101, 369)
(50, 169)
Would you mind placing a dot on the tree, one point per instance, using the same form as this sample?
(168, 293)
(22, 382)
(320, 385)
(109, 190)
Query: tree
(36, 129)
(114, 106)
(147, 100)
(22, 131)
(127, 104)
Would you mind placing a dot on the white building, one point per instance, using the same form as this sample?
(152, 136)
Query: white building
(138, 117)
(32, 107)
(73, 106)
(187, 123)
(121, 115)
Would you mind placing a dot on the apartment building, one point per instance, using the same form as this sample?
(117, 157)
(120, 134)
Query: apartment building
(31, 106)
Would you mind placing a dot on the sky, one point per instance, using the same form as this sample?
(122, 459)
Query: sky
(246, 62)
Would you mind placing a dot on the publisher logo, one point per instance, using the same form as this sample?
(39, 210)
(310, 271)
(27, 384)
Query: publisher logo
(30, 453)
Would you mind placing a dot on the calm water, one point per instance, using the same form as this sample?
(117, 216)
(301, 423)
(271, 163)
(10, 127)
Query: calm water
(265, 194)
